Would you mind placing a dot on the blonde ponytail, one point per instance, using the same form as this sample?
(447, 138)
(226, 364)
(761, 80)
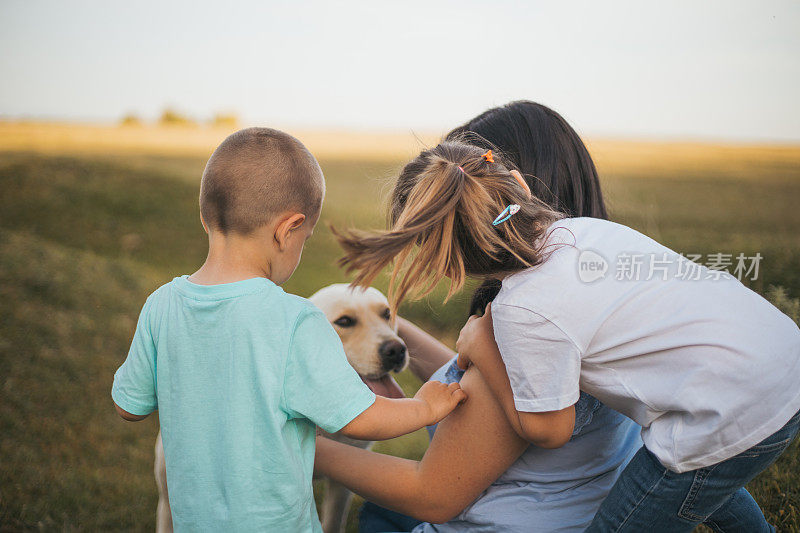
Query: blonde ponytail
(443, 206)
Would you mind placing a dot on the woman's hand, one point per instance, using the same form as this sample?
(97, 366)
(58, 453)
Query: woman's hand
(425, 353)
(476, 338)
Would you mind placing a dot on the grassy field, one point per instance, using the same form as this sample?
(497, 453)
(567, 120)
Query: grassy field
(93, 219)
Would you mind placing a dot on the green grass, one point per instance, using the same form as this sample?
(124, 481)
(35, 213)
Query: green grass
(83, 240)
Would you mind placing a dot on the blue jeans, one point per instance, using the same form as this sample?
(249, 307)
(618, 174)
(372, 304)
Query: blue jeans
(648, 497)
(376, 519)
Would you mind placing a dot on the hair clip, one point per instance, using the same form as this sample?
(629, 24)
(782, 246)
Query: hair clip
(507, 213)
(461, 169)
(488, 157)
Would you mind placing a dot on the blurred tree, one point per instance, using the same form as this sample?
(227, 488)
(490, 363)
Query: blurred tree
(171, 117)
(225, 120)
(781, 299)
(130, 120)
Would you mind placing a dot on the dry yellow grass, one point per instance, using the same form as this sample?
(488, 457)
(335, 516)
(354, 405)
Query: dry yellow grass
(679, 159)
(613, 157)
(93, 139)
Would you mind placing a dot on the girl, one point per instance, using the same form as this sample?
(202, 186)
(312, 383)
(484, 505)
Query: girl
(707, 367)
(560, 489)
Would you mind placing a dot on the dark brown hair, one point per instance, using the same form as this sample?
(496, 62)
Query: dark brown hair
(254, 175)
(442, 209)
(546, 149)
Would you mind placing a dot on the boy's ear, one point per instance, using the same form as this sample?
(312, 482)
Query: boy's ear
(203, 222)
(285, 226)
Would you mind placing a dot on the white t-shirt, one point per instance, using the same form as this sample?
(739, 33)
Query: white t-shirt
(706, 366)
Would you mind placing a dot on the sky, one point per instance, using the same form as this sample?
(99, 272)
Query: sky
(722, 70)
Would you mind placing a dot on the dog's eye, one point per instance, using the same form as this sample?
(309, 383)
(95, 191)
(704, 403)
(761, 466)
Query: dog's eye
(387, 314)
(345, 322)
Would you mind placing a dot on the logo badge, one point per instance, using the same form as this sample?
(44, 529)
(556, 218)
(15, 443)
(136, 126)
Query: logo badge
(591, 266)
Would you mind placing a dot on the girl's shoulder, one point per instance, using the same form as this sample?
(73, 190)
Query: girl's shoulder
(579, 260)
(562, 242)
(587, 225)
(582, 232)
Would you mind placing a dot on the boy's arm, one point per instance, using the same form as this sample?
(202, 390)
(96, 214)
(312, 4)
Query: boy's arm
(388, 418)
(476, 345)
(130, 417)
(320, 385)
(134, 387)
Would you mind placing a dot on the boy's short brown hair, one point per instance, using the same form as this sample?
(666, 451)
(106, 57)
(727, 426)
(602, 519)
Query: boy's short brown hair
(254, 175)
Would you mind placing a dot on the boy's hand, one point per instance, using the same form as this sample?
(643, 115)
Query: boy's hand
(440, 399)
(476, 336)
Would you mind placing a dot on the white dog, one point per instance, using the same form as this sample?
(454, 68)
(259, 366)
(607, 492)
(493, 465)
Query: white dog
(369, 335)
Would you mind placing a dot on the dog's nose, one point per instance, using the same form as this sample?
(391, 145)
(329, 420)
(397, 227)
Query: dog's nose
(393, 354)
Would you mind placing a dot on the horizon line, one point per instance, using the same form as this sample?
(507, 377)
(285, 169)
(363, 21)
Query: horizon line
(398, 130)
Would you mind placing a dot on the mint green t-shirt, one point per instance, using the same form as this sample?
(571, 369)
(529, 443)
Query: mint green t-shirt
(240, 374)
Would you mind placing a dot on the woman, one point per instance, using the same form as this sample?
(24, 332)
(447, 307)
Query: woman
(477, 473)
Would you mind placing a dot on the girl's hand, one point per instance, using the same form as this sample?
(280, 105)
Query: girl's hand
(476, 336)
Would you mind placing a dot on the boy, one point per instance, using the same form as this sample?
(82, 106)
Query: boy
(241, 372)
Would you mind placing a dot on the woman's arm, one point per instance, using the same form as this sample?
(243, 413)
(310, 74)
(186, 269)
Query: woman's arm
(426, 354)
(470, 449)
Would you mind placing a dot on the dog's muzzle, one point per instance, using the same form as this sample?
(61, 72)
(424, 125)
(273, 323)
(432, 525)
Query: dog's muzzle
(392, 354)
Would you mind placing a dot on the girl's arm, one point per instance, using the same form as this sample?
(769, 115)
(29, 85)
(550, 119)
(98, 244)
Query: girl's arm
(476, 346)
(426, 354)
(470, 449)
